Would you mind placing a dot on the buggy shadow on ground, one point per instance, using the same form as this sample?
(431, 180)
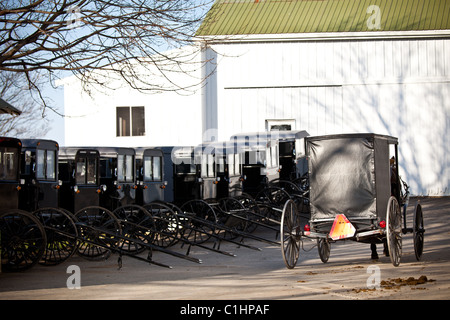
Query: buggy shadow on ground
(255, 274)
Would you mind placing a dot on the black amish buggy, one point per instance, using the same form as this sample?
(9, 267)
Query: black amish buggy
(204, 158)
(181, 173)
(291, 150)
(79, 171)
(207, 171)
(39, 171)
(355, 194)
(31, 218)
(150, 175)
(118, 174)
(10, 184)
(50, 235)
(228, 159)
(260, 162)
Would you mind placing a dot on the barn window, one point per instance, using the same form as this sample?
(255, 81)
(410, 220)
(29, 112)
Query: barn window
(280, 124)
(130, 121)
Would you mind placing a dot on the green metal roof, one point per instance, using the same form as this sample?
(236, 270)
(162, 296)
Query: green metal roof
(236, 17)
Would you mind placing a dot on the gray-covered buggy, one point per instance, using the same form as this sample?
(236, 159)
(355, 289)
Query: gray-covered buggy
(355, 194)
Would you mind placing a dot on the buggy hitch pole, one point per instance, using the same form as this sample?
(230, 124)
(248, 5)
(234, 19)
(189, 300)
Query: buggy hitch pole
(266, 218)
(250, 236)
(253, 221)
(191, 243)
(155, 247)
(104, 246)
(216, 236)
(212, 249)
(144, 244)
(241, 244)
(215, 226)
(224, 228)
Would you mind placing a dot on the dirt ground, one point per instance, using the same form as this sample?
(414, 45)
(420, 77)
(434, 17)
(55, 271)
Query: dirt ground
(256, 275)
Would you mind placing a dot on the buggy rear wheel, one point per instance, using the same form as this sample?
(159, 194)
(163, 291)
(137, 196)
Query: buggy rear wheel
(23, 240)
(290, 234)
(394, 231)
(418, 231)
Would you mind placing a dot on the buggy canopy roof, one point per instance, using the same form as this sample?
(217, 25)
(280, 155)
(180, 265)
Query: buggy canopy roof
(290, 135)
(349, 174)
(148, 152)
(39, 144)
(69, 153)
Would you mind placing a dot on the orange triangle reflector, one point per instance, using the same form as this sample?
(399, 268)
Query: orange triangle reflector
(342, 228)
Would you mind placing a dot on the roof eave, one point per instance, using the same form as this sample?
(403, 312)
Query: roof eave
(5, 107)
(324, 36)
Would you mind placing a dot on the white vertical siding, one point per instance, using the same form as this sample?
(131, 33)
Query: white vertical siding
(396, 87)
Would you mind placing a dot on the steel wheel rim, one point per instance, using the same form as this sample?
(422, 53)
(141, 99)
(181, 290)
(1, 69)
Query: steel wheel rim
(290, 245)
(394, 231)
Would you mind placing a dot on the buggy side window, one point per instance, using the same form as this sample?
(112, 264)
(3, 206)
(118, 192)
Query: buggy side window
(40, 164)
(8, 164)
(129, 168)
(231, 164)
(157, 176)
(91, 176)
(237, 164)
(120, 168)
(220, 164)
(51, 165)
(148, 168)
(274, 155)
(86, 171)
(207, 166)
(45, 164)
(81, 171)
(125, 168)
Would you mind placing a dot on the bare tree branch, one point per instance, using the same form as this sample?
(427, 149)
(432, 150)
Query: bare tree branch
(124, 38)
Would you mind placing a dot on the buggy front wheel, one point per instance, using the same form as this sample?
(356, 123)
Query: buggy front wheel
(324, 249)
(394, 231)
(290, 234)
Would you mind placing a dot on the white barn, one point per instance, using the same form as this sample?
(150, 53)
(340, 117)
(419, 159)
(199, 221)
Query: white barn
(321, 66)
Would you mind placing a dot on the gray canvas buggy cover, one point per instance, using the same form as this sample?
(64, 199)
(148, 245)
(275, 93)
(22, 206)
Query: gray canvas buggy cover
(349, 174)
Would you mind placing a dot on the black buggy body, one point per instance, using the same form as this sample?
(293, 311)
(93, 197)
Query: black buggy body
(355, 193)
(351, 175)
